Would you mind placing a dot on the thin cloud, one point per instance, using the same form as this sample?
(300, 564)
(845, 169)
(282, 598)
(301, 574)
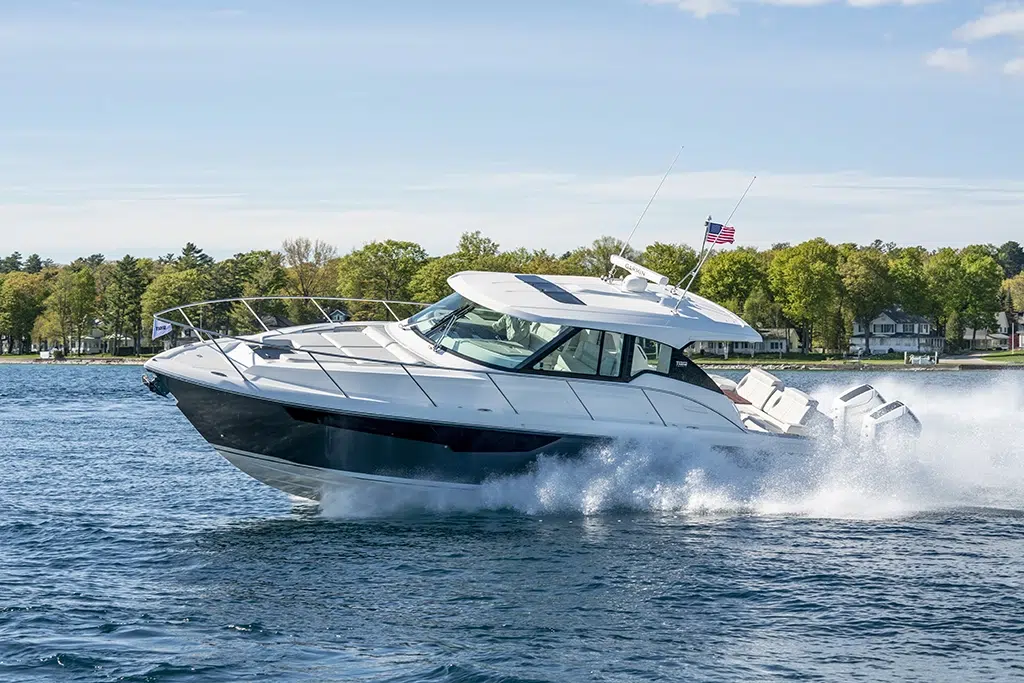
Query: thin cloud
(1014, 67)
(554, 211)
(705, 8)
(999, 20)
(950, 59)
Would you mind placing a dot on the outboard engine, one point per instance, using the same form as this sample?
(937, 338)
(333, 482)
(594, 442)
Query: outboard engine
(891, 421)
(849, 409)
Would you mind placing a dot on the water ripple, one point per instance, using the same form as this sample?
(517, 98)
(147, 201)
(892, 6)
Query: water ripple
(130, 552)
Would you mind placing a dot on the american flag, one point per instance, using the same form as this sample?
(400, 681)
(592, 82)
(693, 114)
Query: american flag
(720, 234)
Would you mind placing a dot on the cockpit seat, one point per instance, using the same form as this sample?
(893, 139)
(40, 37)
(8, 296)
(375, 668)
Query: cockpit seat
(758, 387)
(791, 406)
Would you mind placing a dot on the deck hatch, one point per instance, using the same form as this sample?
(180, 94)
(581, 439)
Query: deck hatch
(550, 289)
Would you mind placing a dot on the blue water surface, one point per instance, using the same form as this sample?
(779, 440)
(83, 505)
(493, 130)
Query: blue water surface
(132, 552)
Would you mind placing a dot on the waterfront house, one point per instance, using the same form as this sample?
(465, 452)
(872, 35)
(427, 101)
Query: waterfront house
(895, 331)
(1006, 333)
(774, 340)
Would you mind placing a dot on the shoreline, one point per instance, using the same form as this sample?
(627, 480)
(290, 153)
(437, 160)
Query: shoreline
(73, 361)
(867, 367)
(810, 367)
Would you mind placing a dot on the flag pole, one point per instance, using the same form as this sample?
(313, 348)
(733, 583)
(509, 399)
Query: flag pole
(700, 256)
(702, 261)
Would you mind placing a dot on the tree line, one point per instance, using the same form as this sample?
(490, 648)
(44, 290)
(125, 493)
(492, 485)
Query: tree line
(815, 287)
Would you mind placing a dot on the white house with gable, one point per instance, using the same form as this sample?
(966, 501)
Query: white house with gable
(1007, 333)
(894, 331)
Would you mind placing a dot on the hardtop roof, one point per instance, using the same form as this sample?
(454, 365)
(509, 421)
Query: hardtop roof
(590, 302)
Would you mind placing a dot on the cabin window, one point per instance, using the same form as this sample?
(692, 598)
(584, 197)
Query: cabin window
(588, 352)
(651, 356)
(480, 334)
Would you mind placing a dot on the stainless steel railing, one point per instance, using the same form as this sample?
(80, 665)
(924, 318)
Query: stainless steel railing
(267, 342)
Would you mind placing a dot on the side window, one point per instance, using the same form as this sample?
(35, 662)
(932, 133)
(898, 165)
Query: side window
(649, 355)
(588, 352)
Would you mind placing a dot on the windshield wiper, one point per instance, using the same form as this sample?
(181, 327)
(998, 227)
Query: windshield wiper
(447, 318)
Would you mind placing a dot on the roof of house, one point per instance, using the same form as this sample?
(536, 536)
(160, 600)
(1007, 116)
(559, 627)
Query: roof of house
(902, 317)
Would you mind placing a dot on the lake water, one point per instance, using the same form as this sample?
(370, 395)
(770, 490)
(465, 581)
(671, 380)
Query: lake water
(129, 551)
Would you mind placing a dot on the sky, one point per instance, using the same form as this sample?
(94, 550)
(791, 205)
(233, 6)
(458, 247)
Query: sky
(130, 127)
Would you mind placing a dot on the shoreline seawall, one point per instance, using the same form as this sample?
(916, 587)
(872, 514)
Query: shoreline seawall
(867, 367)
(73, 361)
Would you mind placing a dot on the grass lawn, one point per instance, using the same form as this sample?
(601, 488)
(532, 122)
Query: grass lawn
(1005, 356)
(797, 359)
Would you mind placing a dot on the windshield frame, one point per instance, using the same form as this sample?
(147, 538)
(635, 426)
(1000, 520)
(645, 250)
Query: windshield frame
(441, 326)
(525, 367)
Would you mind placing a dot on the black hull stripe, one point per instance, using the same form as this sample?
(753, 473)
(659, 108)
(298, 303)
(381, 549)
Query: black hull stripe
(361, 444)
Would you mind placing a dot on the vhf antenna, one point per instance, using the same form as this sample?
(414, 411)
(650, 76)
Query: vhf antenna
(643, 213)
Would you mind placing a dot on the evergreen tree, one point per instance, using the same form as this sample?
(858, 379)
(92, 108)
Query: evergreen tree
(123, 301)
(11, 264)
(192, 257)
(1011, 258)
(33, 264)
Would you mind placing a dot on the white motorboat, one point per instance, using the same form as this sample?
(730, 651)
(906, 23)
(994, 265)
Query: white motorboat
(507, 369)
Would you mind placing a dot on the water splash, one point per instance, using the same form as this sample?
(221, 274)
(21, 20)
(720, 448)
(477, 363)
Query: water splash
(970, 455)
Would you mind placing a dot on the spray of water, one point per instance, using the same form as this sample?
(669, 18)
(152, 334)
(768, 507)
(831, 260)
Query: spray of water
(971, 454)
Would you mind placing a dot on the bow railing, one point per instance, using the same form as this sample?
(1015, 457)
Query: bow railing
(263, 339)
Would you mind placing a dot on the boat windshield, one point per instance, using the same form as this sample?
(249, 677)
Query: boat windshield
(480, 334)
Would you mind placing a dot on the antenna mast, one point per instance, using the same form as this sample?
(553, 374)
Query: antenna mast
(643, 213)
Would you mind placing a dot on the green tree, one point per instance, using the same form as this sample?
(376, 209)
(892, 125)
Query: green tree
(192, 258)
(868, 288)
(1015, 287)
(945, 286)
(595, 259)
(21, 297)
(379, 270)
(729, 277)
(92, 261)
(312, 271)
(909, 282)
(475, 252)
(11, 264)
(983, 278)
(71, 305)
(83, 303)
(33, 264)
(804, 279)
(123, 301)
(251, 274)
(310, 266)
(760, 311)
(1011, 258)
(539, 261)
(674, 261)
(954, 331)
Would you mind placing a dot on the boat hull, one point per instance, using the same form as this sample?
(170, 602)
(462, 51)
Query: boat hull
(360, 491)
(305, 451)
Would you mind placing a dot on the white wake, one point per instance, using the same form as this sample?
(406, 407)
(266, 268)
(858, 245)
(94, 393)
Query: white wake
(971, 454)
